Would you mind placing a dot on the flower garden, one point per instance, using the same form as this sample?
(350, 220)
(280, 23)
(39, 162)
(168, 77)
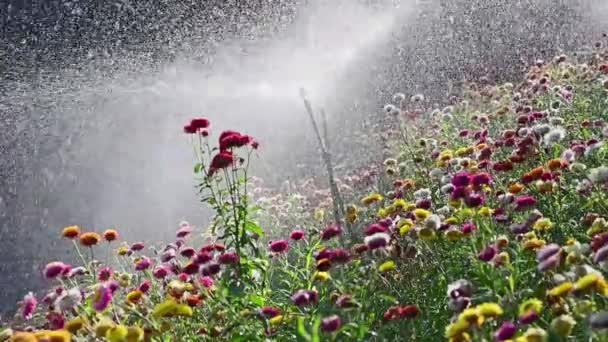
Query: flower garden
(488, 220)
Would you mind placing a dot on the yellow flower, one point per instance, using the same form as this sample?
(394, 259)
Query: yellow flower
(351, 218)
(134, 296)
(171, 308)
(454, 234)
(543, 225)
(134, 334)
(400, 205)
(421, 214)
(426, 234)
(489, 310)
(117, 333)
(351, 209)
(321, 276)
(561, 290)
(23, 337)
(371, 199)
(319, 215)
(123, 250)
(534, 244)
(276, 320)
(455, 203)
(387, 266)
(102, 327)
(75, 324)
(485, 212)
(410, 207)
(465, 213)
(563, 325)
(383, 213)
(532, 304)
(445, 155)
(456, 329)
(405, 225)
(502, 258)
(451, 220)
(535, 335)
(587, 282)
(472, 317)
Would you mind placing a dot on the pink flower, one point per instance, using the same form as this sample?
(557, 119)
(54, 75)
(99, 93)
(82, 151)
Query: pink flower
(297, 235)
(207, 282)
(279, 246)
(488, 253)
(167, 255)
(54, 269)
(102, 298)
(29, 306)
(105, 274)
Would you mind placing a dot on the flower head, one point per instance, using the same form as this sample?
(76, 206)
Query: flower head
(102, 297)
(331, 324)
(71, 232)
(89, 239)
(29, 306)
(110, 235)
(297, 235)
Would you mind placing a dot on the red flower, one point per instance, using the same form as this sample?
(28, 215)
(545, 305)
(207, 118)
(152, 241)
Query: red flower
(280, 246)
(189, 129)
(220, 161)
(401, 312)
(330, 232)
(297, 235)
(229, 258)
(199, 123)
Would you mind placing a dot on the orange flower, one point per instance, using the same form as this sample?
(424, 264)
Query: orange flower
(516, 188)
(71, 232)
(89, 239)
(110, 235)
(536, 173)
(555, 164)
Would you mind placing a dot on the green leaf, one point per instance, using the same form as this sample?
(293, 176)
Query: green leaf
(302, 329)
(256, 300)
(198, 167)
(254, 228)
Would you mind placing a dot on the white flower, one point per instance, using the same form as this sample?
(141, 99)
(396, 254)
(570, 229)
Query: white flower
(445, 210)
(523, 132)
(448, 188)
(423, 193)
(599, 175)
(556, 121)
(69, 299)
(391, 109)
(541, 129)
(377, 239)
(398, 97)
(417, 98)
(554, 136)
(593, 147)
(432, 222)
(447, 117)
(569, 155)
(436, 173)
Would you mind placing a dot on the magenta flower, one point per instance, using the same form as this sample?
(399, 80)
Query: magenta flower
(56, 320)
(474, 200)
(331, 231)
(375, 228)
(145, 286)
(506, 331)
(524, 202)
(167, 255)
(143, 264)
(270, 312)
(161, 272)
(105, 274)
(297, 235)
(461, 179)
(229, 258)
(482, 178)
(331, 324)
(468, 228)
(54, 269)
(279, 246)
(203, 257)
(29, 306)
(138, 246)
(102, 298)
(529, 317)
(77, 271)
(339, 256)
(187, 252)
(488, 253)
(211, 268)
(377, 240)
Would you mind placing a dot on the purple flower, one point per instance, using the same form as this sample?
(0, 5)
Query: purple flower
(161, 272)
(207, 282)
(468, 228)
(459, 193)
(529, 317)
(339, 256)
(56, 320)
(550, 262)
(102, 298)
(54, 269)
(506, 331)
(474, 200)
(187, 252)
(167, 255)
(547, 251)
(461, 179)
(375, 228)
(331, 324)
(29, 306)
(143, 264)
(305, 297)
(211, 268)
(270, 312)
(331, 231)
(184, 230)
(488, 253)
(482, 178)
